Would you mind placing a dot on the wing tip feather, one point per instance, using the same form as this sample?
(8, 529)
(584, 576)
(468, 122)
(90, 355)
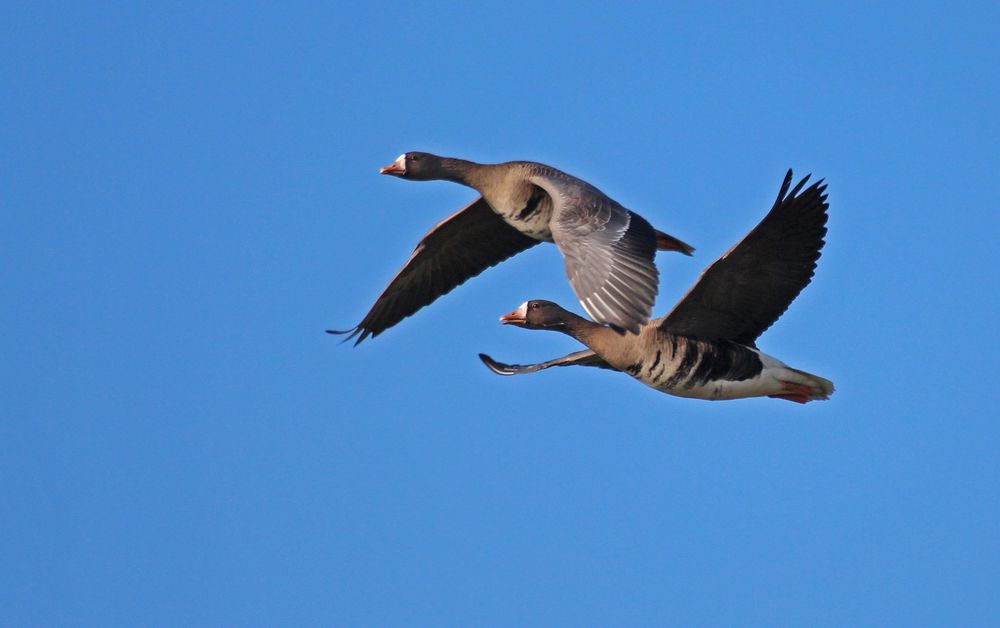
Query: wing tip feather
(497, 367)
(351, 333)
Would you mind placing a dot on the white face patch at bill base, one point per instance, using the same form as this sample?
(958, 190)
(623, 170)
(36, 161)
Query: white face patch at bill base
(520, 313)
(401, 162)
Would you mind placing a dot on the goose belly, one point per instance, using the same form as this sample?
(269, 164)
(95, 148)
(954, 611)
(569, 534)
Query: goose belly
(774, 381)
(529, 215)
(760, 386)
(699, 369)
(532, 223)
(534, 226)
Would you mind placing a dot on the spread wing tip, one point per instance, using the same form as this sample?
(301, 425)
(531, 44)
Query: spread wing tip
(497, 367)
(818, 188)
(364, 333)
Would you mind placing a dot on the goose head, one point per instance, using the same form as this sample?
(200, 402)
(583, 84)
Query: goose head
(537, 314)
(416, 166)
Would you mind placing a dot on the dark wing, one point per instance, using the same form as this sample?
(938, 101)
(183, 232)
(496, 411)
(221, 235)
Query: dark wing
(748, 288)
(454, 250)
(580, 358)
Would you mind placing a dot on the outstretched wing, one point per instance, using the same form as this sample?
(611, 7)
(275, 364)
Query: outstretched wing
(608, 251)
(579, 358)
(745, 291)
(454, 250)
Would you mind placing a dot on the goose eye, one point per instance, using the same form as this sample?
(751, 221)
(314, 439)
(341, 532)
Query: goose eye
(414, 157)
(532, 306)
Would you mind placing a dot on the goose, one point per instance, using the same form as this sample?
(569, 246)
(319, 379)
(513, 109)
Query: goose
(608, 249)
(705, 347)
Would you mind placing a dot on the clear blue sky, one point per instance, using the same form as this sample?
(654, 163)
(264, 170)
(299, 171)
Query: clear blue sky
(189, 196)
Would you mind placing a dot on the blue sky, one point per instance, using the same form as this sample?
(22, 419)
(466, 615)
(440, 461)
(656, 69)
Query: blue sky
(190, 197)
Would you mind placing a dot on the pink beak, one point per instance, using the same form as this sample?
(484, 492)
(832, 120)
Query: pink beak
(513, 318)
(392, 168)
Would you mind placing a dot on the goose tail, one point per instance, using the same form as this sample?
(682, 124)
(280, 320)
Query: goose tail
(667, 242)
(802, 387)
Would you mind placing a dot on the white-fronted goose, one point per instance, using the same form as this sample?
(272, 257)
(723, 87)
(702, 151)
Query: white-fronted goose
(608, 249)
(706, 346)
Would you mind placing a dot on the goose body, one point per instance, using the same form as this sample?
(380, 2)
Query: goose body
(608, 249)
(508, 189)
(716, 370)
(706, 347)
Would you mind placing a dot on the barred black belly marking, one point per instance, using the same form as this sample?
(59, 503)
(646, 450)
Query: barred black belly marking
(726, 361)
(705, 361)
(533, 219)
(532, 206)
(655, 362)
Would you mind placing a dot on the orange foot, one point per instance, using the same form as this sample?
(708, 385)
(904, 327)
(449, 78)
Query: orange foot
(798, 393)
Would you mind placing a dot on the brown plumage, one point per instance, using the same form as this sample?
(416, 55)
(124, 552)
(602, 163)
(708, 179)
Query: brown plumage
(706, 346)
(608, 249)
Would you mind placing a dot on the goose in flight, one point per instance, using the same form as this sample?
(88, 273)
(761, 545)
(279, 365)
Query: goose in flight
(706, 346)
(608, 249)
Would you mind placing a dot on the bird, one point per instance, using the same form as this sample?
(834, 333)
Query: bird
(706, 347)
(608, 249)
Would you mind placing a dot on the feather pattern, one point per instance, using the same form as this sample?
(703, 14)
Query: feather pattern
(456, 249)
(705, 348)
(608, 251)
(578, 358)
(747, 289)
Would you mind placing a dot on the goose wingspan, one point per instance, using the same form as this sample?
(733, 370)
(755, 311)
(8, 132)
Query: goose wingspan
(578, 358)
(745, 291)
(453, 251)
(608, 251)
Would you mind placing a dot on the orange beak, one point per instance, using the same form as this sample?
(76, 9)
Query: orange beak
(393, 168)
(514, 318)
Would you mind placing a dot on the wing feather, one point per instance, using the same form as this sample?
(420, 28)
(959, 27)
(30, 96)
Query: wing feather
(453, 251)
(579, 358)
(747, 289)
